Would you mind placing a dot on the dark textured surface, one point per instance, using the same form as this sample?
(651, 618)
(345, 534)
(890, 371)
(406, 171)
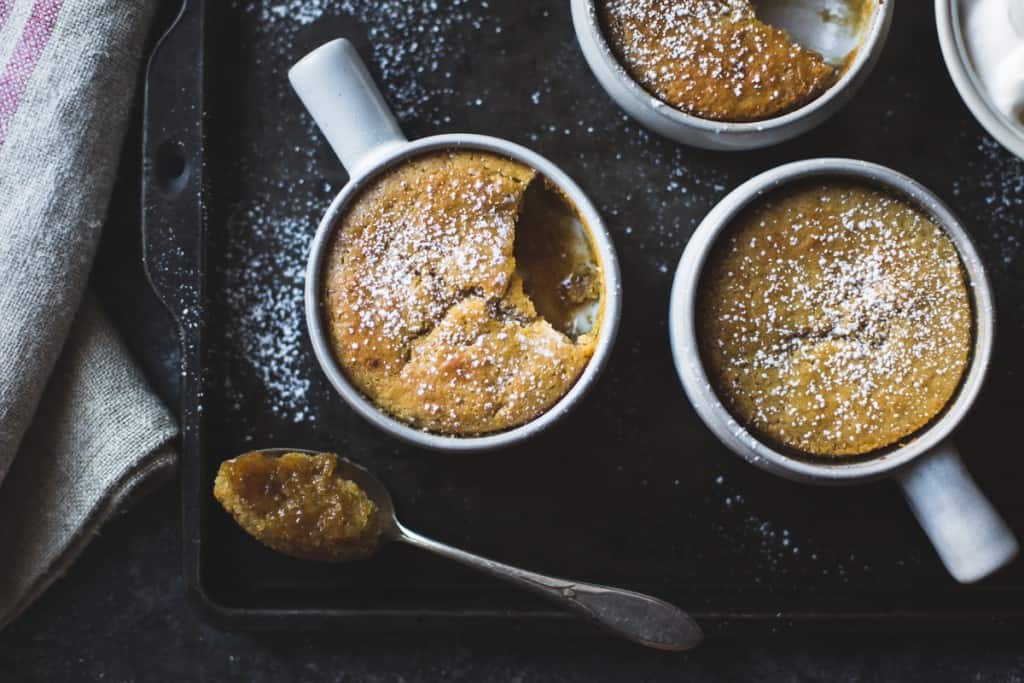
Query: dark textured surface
(121, 614)
(630, 489)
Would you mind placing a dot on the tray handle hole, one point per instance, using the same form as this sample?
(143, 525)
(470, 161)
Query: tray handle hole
(171, 167)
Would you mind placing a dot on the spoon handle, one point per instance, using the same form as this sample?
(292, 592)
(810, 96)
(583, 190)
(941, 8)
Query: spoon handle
(641, 618)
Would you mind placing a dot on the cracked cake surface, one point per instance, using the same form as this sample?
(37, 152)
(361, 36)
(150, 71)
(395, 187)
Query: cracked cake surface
(713, 58)
(425, 308)
(834, 319)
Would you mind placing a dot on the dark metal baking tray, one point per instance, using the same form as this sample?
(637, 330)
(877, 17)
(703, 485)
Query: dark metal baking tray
(631, 489)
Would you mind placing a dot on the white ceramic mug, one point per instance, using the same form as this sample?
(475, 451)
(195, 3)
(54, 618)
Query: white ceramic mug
(971, 538)
(340, 94)
(722, 135)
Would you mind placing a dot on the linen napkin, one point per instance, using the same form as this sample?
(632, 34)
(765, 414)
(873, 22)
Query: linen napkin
(80, 430)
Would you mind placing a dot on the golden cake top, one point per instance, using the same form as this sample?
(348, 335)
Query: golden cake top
(424, 297)
(713, 58)
(834, 319)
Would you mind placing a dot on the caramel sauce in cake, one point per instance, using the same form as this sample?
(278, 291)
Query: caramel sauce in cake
(713, 58)
(834, 319)
(461, 293)
(555, 259)
(297, 505)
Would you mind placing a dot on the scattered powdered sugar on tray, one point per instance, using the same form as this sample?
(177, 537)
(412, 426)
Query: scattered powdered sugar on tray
(713, 59)
(407, 39)
(301, 12)
(779, 550)
(1000, 176)
(264, 291)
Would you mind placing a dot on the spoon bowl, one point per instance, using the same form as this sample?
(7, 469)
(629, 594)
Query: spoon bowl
(637, 617)
(372, 486)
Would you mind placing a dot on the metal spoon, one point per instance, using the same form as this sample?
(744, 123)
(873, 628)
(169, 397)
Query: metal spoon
(641, 618)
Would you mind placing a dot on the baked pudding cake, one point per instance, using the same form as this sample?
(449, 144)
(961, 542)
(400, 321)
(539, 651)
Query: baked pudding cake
(461, 293)
(834, 319)
(713, 59)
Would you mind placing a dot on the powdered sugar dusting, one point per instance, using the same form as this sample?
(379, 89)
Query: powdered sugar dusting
(836, 319)
(1000, 177)
(264, 292)
(712, 58)
(407, 40)
(778, 550)
(301, 12)
(427, 309)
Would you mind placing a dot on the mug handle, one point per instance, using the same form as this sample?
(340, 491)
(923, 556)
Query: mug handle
(971, 538)
(340, 95)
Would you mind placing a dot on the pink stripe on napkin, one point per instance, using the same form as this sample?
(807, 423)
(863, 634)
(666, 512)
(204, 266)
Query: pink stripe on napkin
(27, 52)
(5, 11)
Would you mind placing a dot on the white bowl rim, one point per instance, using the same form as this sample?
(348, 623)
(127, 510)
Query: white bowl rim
(967, 83)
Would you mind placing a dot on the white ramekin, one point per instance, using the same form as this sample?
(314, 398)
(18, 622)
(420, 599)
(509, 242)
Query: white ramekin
(341, 96)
